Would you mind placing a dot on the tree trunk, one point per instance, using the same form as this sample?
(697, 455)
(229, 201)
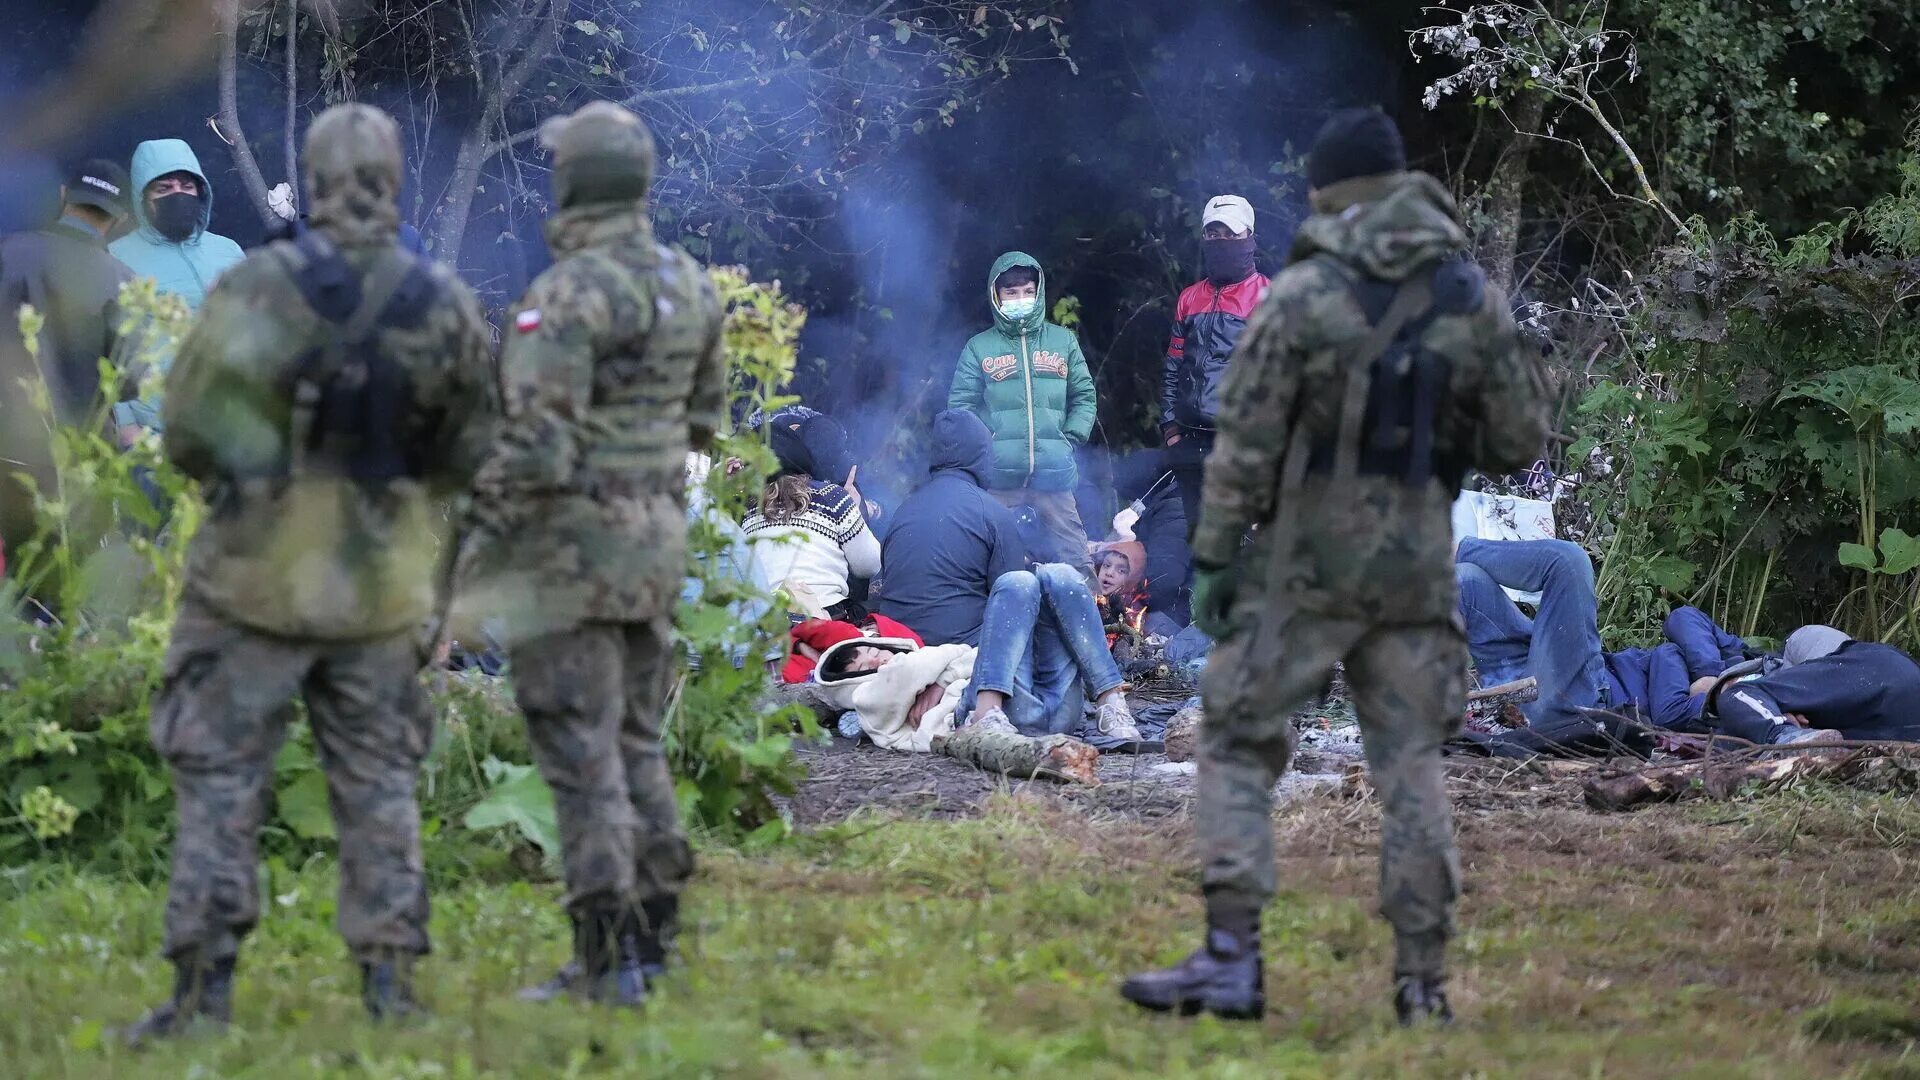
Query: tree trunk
(1506, 194)
(256, 185)
(292, 133)
(477, 146)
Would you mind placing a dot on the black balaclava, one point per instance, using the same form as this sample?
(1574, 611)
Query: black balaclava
(175, 216)
(1229, 259)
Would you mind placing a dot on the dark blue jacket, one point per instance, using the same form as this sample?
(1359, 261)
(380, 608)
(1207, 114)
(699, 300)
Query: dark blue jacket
(949, 541)
(1655, 682)
(1864, 690)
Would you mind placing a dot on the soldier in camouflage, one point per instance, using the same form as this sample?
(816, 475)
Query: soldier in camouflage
(611, 369)
(1377, 370)
(331, 390)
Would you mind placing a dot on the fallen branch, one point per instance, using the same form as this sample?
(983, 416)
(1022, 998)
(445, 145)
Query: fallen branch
(1869, 767)
(1054, 757)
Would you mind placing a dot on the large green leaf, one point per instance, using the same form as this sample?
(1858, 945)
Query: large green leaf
(1899, 552)
(1858, 556)
(519, 799)
(303, 806)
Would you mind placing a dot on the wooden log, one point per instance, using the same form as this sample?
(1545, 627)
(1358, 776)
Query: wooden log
(1053, 757)
(1183, 734)
(1502, 703)
(1870, 768)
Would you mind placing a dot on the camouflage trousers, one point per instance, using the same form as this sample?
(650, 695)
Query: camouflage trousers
(594, 698)
(1408, 686)
(219, 721)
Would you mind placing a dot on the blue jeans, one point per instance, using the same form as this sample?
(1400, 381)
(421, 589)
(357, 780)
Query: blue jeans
(1042, 645)
(1560, 647)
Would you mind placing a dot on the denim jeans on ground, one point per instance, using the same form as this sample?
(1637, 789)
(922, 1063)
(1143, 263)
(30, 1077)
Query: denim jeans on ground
(1559, 647)
(1042, 645)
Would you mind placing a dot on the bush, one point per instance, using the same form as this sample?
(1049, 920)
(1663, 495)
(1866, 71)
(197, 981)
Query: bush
(90, 602)
(1766, 430)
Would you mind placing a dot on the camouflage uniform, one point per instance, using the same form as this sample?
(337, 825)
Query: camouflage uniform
(611, 367)
(313, 571)
(1349, 564)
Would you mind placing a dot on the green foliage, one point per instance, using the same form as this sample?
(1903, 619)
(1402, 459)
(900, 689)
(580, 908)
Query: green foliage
(1772, 420)
(731, 757)
(102, 574)
(84, 617)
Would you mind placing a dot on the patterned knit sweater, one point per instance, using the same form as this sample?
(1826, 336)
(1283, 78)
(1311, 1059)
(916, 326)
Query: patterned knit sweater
(818, 549)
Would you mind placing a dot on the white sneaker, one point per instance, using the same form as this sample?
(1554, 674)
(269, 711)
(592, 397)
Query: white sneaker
(1806, 736)
(993, 722)
(1115, 721)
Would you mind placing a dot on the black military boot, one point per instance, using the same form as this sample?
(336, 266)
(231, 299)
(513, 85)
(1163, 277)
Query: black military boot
(386, 986)
(609, 957)
(1421, 1000)
(660, 925)
(564, 981)
(202, 994)
(1224, 977)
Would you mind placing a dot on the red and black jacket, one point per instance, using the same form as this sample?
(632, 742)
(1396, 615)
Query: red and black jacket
(1207, 323)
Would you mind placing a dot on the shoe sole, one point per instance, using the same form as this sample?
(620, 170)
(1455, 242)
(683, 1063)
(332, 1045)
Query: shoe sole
(1196, 1006)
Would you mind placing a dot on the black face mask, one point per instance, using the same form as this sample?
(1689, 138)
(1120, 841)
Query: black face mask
(1227, 260)
(175, 216)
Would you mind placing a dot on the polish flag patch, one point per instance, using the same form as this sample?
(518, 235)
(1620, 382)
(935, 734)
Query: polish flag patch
(527, 321)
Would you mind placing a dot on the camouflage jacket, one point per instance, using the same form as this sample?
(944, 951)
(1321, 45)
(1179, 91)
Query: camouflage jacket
(610, 368)
(1370, 546)
(306, 552)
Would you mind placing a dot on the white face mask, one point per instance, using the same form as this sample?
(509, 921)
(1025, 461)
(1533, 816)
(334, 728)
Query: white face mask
(1017, 308)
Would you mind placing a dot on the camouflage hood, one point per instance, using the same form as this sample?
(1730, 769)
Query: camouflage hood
(353, 175)
(1388, 225)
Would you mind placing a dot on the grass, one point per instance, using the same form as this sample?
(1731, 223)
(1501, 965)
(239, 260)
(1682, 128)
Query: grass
(1777, 937)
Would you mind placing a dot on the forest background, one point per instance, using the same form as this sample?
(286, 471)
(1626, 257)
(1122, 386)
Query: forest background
(1708, 213)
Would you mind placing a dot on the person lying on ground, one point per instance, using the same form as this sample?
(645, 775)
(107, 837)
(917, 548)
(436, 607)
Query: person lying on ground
(811, 640)
(1824, 687)
(950, 540)
(1027, 379)
(811, 535)
(1560, 646)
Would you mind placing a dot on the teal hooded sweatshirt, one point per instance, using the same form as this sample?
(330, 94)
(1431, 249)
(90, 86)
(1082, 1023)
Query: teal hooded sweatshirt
(1028, 380)
(186, 269)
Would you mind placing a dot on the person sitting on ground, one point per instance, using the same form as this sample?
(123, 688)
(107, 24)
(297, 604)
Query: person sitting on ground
(954, 569)
(1825, 687)
(950, 540)
(810, 535)
(1028, 380)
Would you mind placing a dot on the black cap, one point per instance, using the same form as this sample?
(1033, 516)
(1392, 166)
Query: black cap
(101, 184)
(1355, 142)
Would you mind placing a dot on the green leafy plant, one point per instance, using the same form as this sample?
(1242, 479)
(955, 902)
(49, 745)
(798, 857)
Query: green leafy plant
(1769, 417)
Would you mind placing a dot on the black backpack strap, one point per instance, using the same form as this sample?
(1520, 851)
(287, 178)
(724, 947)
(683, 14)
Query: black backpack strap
(395, 291)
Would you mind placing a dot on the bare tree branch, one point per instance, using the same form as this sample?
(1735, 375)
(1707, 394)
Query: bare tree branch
(230, 130)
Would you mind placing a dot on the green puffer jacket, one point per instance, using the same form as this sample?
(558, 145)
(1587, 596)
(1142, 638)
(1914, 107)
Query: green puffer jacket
(1028, 380)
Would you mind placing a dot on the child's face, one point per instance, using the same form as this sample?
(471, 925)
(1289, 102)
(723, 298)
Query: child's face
(1111, 576)
(1029, 291)
(869, 658)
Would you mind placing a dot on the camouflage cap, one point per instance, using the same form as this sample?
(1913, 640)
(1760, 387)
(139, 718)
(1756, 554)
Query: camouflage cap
(602, 153)
(353, 149)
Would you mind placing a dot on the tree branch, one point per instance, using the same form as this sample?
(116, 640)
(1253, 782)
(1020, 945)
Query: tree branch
(256, 185)
(761, 78)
